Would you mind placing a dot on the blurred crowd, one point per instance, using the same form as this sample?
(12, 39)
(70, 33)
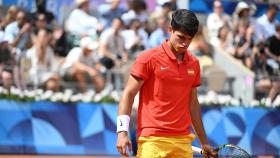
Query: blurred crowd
(96, 51)
(253, 41)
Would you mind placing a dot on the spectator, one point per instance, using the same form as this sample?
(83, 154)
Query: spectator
(216, 20)
(10, 17)
(225, 40)
(136, 39)
(243, 11)
(161, 33)
(273, 43)
(7, 62)
(4, 48)
(164, 11)
(82, 62)
(160, 3)
(40, 23)
(7, 78)
(167, 8)
(81, 23)
(59, 42)
(243, 43)
(108, 11)
(112, 43)
(112, 46)
(174, 5)
(267, 77)
(44, 67)
(199, 46)
(137, 11)
(18, 32)
(266, 23)
(44, 19)
(41, 9)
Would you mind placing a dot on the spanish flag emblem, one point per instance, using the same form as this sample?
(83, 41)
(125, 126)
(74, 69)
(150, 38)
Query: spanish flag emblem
(190, 72)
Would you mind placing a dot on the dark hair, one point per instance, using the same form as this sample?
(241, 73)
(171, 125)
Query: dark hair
(185, 21)
(138, 5)
(167, 5)
(273, 6)
(225, 26)
(41, 5)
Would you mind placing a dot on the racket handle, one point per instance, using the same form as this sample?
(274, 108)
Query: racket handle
(197, 150)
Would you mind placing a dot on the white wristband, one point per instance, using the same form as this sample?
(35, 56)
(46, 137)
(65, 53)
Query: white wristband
(123, 123)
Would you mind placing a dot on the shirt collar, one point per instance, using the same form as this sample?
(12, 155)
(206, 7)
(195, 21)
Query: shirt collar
(170, 54)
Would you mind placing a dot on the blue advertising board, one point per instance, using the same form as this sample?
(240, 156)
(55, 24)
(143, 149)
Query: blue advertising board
(90, 128)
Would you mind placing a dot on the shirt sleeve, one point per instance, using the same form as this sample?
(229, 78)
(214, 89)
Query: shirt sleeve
(9, 33)
(143, 67)
(71, 58)
(104, 37)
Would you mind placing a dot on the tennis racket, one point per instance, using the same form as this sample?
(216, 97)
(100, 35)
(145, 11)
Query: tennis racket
(225, 151)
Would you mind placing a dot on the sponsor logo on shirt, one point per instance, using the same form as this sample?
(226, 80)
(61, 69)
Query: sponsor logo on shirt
(163, 67)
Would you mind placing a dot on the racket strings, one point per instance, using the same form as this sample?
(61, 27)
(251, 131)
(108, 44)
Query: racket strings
(232, 152)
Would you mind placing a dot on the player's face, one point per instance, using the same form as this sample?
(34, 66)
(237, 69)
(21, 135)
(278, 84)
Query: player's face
(180, 41)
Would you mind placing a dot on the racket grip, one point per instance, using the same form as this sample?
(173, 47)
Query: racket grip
(197, 150)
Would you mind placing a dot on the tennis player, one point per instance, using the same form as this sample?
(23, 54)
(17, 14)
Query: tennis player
(167, 77)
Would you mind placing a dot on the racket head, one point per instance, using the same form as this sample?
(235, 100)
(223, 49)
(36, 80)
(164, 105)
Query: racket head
(231, 151)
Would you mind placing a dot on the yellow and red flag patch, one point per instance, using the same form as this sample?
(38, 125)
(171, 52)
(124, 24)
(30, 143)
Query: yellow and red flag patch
(190, 72)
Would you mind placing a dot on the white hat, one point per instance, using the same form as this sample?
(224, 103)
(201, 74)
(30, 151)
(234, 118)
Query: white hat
(217, 3)
(241, 6)
(79, 2)
(89, 43)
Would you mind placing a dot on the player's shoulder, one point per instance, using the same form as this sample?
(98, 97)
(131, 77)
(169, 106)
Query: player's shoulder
(149, 54)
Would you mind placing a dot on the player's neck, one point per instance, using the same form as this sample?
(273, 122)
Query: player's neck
(179, 56)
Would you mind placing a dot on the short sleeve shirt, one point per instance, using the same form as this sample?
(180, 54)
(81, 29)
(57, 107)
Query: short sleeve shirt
(76, 54)
(164, 97)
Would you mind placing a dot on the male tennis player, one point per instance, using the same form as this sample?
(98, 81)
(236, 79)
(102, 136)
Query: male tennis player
(167, 77)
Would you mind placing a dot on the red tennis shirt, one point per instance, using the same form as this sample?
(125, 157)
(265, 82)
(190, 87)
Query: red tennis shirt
(164, 97)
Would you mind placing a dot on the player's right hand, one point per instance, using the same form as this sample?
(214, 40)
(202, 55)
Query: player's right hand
(123, 142)
(208, 149)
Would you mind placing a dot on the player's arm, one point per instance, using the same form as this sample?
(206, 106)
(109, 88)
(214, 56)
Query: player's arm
(197, 123)
(125, 105)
